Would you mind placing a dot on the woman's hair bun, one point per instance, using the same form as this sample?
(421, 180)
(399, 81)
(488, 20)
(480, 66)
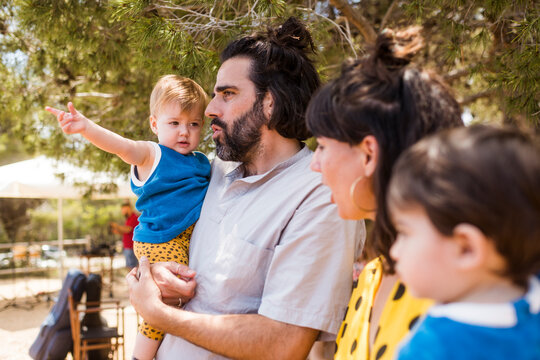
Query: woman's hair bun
(292, 33)
(392, 52)
(395, 49)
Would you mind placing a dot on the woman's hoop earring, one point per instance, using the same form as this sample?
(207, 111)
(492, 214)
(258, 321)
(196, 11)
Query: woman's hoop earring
(351, 194)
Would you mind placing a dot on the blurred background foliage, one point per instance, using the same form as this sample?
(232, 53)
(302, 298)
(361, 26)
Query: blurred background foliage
(32, 220)
(106, 55)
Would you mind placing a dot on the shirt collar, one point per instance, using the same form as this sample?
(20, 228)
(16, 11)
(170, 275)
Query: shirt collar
(235, 171)
(490, 315)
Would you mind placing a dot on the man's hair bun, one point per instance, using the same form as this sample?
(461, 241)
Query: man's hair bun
(292, 33)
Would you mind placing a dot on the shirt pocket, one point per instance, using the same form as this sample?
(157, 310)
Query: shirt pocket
(239, 275)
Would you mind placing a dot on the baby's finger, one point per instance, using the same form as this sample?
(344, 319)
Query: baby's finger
(64, 118)
(72, 109)
(65, 121)
(60, 117)
(52, 110)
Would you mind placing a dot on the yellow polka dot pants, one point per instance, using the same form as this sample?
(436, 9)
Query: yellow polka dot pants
(176, 250)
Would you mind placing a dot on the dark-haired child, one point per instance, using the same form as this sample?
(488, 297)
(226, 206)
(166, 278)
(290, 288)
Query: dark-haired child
(466, 205)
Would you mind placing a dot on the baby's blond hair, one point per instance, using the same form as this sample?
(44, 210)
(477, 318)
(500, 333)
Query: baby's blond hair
(180, 90)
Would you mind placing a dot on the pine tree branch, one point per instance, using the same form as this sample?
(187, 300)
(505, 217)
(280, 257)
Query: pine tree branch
(458, 73)
(345, 35)
(359, 21)
(388, 13)
(482, 94)
(96, 94)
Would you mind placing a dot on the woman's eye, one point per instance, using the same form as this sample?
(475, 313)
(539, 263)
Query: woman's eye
(402, 234)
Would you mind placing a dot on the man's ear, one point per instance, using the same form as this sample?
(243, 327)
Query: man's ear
(268, 105)
(153, 124)
(472, 246)
(370, 148)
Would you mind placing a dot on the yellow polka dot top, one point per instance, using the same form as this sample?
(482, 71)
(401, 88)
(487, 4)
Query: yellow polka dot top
(398, 316)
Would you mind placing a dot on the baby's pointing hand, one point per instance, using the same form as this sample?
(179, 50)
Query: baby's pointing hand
(71, 123)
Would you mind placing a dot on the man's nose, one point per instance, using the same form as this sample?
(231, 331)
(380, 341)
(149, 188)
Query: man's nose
(212, 109)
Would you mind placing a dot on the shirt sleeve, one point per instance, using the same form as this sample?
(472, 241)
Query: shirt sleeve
(309, 279)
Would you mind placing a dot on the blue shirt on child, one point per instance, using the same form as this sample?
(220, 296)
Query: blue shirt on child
(170, 200)
(478, 331)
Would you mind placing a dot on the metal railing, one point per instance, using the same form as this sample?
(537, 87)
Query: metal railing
(67, 242)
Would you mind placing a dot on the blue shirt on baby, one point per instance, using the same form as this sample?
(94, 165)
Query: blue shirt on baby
(478, 331)
(170, 200)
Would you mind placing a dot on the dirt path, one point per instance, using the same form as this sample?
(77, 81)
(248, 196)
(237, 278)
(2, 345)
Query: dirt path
(19, 324)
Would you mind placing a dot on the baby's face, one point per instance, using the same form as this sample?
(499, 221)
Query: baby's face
(423, 255)
(177, 129)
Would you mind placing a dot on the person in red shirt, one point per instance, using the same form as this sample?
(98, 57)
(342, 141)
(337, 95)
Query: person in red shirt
(127, 233)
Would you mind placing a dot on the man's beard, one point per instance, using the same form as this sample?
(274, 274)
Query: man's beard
(245, 136)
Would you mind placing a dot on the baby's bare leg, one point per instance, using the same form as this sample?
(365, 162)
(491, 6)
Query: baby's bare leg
(145, 348)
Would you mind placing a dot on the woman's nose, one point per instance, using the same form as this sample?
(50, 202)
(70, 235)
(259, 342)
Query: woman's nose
(315, 162)
(394, 250)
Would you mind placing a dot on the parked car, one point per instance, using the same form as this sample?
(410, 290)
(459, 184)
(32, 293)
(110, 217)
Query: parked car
(5, 260)
(52, 252)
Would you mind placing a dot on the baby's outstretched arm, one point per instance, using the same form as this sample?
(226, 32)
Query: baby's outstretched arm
(139, 153)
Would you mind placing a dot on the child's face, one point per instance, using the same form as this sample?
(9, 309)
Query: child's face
(176, 129)
(422, 255)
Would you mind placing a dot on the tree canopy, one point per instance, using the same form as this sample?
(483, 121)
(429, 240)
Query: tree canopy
(105, 56)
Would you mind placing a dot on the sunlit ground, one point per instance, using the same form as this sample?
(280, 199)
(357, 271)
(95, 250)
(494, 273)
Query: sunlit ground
(25, 301)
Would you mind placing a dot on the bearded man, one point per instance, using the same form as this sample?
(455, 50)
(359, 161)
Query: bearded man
(272, 256)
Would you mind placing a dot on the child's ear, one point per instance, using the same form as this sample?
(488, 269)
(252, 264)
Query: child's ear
(472, 246)
(153, 124)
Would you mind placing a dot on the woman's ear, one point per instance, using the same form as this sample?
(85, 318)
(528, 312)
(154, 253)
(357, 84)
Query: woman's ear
(153, 124)
(370, 148)
(472, 247)
(268, 105)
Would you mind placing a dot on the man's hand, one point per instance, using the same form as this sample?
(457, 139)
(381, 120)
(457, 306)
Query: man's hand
(175, 281)
(114, 228)
(238, 336)
(71, 123)
(120, 229)
(144, 294)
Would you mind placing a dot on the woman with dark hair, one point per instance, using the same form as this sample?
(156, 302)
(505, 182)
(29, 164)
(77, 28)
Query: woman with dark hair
(363, 121)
